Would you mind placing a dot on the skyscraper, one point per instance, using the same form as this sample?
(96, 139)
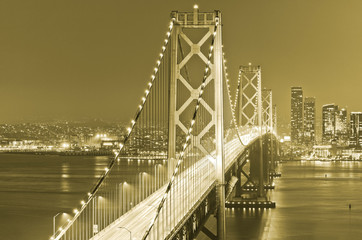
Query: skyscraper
(309, 120)
(296, 116)
(355, 136)
(329, 122)
(341, 127)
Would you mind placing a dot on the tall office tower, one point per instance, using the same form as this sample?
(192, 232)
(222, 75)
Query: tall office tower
(342, 127)
(329, 122)
(296, 116)
(309, 120)
(355, 137)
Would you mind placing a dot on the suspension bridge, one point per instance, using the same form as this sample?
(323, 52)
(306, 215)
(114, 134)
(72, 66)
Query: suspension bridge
(208, 150)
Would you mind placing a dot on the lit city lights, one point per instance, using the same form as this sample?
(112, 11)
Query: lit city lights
(117, 132)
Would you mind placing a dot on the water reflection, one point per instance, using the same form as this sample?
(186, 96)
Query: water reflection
(309, 205)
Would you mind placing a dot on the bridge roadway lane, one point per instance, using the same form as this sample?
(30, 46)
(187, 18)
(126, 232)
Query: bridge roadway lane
(138, 219)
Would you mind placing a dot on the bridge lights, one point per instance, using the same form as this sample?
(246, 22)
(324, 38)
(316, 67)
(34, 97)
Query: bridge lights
(156, 69)
(54, 221)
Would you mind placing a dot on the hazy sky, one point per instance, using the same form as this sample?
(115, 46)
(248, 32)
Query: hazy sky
(75, 59)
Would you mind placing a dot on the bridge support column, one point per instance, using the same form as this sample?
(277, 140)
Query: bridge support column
(261, 193)
(171, 158)
(272, 164)
(244, 170)
(219, 131)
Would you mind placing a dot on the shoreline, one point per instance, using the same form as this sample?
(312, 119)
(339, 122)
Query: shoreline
(322, 160)
(90, 153)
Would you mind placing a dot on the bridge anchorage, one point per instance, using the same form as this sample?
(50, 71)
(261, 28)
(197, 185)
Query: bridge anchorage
(200, 146)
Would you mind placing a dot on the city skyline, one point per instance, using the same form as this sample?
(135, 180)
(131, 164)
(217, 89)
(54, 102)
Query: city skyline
(180, 120)
(336, 126)
(50, 48)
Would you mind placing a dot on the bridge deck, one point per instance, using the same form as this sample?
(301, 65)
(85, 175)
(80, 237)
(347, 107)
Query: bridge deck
(138, 219)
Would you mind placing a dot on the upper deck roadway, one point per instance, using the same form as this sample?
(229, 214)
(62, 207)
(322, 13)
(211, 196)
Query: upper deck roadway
(138, 218)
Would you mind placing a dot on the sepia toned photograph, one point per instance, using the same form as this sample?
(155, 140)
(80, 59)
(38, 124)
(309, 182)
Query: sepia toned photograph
(180, 120)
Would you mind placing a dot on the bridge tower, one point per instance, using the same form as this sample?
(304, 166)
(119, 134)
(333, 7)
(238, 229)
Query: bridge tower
(276, 151)
(267, 109)
(267, 102)
(190, 41)
(249, 109)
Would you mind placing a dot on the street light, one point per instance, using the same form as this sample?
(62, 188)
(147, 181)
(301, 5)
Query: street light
(123, 196)
(54, 221)
(130, 233)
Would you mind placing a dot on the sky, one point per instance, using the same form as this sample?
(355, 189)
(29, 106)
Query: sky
(75, 59)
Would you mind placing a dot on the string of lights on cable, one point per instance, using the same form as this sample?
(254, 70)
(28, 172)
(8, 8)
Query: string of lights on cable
(188, 135)
(133, 123)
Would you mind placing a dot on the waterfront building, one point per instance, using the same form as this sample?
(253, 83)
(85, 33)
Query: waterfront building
(296, 116)
(355, 137)
(309, 120)
(328, 123)
(341, 128)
